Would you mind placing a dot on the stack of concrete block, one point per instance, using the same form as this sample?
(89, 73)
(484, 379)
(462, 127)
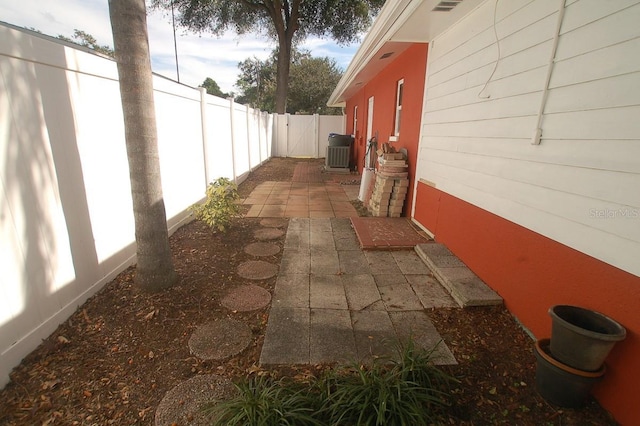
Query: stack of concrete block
(390, 186)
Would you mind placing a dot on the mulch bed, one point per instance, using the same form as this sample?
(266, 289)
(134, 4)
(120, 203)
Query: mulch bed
(118, 355)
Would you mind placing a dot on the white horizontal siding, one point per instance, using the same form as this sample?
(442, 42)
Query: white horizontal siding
(477, 127)
(613, 61)
(567, 152)
(535, 56)
(503, 107)
(609, 92)
(607, 186)
(457, 36)
(512, 85)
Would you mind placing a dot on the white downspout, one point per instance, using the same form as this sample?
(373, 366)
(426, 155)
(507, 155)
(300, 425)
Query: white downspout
(537, 137)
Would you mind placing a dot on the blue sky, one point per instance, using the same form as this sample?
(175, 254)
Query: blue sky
(199, 57)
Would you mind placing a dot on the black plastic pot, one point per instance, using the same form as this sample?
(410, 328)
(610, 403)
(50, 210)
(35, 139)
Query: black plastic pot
(582, 338)
(561, 384)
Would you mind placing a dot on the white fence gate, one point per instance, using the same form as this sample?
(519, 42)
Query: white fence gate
(304, 135)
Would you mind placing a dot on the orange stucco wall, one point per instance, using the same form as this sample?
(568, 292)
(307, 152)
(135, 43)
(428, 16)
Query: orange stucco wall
(532, 272)
(410, 65)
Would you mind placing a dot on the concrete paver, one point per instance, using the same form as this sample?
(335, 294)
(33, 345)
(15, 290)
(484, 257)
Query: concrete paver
(292, 291)
(324, 262)
(382, 262)
(409, 262)
(374, 334)
(331, 336)
(463, 285)
(430, 292)
(327, 292)
(286, 340)
(362, 292)
(417, 326)
(400, 297)
(353, 262)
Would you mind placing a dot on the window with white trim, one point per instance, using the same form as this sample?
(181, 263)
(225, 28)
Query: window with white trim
(396, 125)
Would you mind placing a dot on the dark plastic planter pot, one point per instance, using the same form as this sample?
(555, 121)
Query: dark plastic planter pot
(582, 338)
(561, 384)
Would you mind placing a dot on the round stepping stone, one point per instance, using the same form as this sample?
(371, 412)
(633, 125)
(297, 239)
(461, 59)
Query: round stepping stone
(262, 249)
(257, 270)
(273, 222)
(246, 298)
(268, 234)
(183, 405)
(220, 339)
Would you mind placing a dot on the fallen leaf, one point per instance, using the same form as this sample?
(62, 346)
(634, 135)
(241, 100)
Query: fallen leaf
(50, 384)
(151, 314)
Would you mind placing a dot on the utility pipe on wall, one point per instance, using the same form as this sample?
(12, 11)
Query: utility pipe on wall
(538, 132)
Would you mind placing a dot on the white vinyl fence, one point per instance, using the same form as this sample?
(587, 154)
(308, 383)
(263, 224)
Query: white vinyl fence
(66, 222)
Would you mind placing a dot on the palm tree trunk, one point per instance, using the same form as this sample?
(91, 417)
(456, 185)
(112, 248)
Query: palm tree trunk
(155, 270)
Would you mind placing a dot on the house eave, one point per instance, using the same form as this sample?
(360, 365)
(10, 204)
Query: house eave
(400, 24)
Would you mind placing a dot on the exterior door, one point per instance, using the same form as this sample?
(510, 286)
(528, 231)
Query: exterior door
(370, 119)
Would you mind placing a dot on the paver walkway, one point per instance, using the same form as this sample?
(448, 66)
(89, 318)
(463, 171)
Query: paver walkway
(334, 302)
(299, 199)
(307, 172)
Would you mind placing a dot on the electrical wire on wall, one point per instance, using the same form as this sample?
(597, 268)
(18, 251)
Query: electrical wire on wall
(495, 67)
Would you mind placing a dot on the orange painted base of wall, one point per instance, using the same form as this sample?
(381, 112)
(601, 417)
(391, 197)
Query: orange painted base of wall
(532, 272)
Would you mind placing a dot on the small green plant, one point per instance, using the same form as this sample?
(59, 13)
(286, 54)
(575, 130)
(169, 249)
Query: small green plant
(264, 401)
(408, 391)
(220, 207)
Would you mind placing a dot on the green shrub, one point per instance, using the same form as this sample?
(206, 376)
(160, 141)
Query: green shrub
(220, 207)
(407, 391)
(264, 401)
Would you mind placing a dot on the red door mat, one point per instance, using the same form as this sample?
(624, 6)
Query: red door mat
(387, 233)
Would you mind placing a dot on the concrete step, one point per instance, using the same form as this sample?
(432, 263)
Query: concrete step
(463, 285)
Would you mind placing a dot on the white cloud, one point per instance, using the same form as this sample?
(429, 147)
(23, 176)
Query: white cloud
(323, 47)
(199, 56)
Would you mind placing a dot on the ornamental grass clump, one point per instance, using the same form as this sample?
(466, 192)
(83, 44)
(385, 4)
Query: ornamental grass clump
(407, 391)
(221, 205)
(265, 401)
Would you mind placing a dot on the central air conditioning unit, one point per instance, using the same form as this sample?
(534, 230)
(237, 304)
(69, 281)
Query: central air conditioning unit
(338, 157)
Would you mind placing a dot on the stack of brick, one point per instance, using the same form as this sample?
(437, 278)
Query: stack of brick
(390, 186)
